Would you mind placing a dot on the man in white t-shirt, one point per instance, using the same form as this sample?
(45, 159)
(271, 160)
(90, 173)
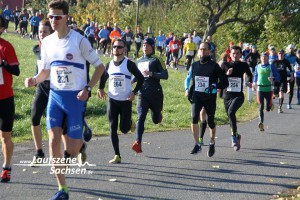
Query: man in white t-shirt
(196, 39)
(63, 56)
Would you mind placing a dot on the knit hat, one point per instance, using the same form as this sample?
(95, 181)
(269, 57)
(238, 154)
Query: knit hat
(149, 41)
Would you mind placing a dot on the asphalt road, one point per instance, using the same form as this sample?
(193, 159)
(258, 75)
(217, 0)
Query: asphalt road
(267, 163)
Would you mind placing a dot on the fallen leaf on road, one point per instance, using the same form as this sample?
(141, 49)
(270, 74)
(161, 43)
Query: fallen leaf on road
(271, 180)
(35, 172)
(145, 142)
(24, 170)
(90, 197)
(112, 180)
(298, 188)
(211, 185)
(159, 147)
(216, 166)
(283, 163)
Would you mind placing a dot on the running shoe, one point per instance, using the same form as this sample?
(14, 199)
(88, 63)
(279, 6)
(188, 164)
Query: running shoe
(289, 106)
(238, 143)
(137, 147)
(37, 160)
(87, 133)
(81, 158)
(201, 141)
(60, 195)
(261, 126)
(233, 141)
(5, 175)
(211, 150)
(116, 159)
(280, 110)
(196, 149)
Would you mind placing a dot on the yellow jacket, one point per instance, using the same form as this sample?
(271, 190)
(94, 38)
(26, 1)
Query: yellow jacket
(189, 47)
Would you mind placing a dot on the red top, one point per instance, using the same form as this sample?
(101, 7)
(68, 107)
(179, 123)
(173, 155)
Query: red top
(174, 45)
(8, 54)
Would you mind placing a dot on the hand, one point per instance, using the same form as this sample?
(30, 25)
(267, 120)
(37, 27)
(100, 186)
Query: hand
(83, 95)
(254, 86)
(292, 78)
(229, 71)
(147, 73)
(101, 94)
(271, 78)
(131, 97)
(30, 82)
(186, 93)
(249, 85)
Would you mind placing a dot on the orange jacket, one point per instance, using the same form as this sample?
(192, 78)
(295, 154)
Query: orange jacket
(114, 35)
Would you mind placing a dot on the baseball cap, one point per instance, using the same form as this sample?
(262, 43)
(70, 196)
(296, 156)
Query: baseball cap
(149, 41)
(254, 46)
(264, 54)
(281, 51)
(291, 46)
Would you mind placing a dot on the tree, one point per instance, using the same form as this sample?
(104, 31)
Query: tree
(223, 12)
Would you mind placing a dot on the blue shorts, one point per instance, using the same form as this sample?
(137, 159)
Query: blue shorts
(65, 105)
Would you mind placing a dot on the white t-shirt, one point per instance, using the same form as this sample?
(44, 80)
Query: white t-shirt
(66, 59)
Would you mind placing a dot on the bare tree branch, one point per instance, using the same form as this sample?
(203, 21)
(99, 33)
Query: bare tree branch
(238, 9)
(208, 6)
(244, 21)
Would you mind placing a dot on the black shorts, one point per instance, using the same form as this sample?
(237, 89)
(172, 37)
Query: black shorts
(280, 87)
(7, 114)
(159, 48)
(175, 54)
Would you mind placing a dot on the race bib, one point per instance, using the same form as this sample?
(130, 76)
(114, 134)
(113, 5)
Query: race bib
(201, 83)
(235, 84)
(116, 37)
(1, 77)
(7, 17)
(175, 46)
(63, 78)
(117, 84)
(24, 19)
(143, 66)
(17, 14)
(92, 32)
(128, 39)
(138, 40)
(190, 53)
(160, 43)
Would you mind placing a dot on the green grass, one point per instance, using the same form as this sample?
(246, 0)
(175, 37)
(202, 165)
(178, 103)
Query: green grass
(176, 106)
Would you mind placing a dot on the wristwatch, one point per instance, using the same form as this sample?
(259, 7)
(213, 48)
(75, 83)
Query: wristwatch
(88, 88)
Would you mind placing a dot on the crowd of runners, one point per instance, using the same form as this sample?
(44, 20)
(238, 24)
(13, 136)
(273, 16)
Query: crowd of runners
(63, 56)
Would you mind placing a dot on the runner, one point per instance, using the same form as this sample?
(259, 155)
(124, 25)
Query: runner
(264, 75)
(120, 93)
(297, 75)
(9, 66)
(233, 95)
(291, 57)
(175, 45)
(280, 87)
(189, 51)
(203, 93)
(160, 42)
(139, 37)
(128, 37)
(64, 54)
(150, 95)
(42, 93)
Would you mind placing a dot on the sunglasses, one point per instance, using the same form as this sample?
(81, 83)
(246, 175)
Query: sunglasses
(56, 17)
(118, 47)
